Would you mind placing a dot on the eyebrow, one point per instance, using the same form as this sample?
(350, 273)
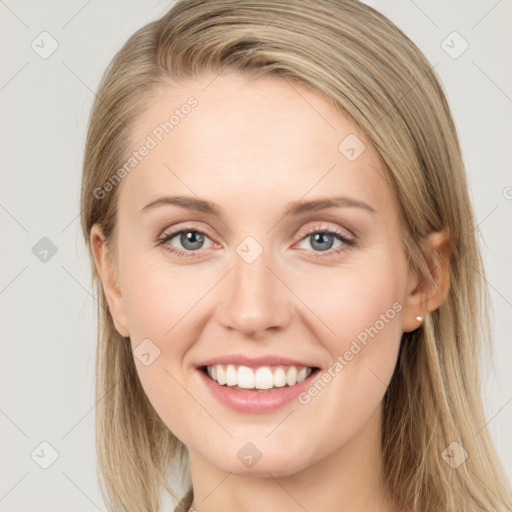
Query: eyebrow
(294, 208)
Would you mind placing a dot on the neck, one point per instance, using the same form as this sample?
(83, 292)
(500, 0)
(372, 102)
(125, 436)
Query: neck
(348, 479)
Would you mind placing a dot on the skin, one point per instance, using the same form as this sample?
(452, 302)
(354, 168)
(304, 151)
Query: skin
(252, 147)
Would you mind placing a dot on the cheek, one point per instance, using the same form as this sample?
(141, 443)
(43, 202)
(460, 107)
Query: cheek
(353, 297)
(160, 304)
(359, 307)
(156, 295)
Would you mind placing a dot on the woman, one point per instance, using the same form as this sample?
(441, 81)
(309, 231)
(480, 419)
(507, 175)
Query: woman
(228, 142)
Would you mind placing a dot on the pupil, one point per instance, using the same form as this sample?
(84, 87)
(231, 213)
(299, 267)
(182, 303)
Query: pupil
(191, 237)
(320, 238)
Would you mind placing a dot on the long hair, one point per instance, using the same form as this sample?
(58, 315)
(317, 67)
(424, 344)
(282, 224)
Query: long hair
(370, 71)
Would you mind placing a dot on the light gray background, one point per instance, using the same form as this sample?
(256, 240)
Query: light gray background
(48, 329)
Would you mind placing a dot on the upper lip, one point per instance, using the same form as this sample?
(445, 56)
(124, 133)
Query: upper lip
(269, 360)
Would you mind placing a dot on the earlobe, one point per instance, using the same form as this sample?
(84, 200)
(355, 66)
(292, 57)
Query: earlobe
(430, 290)
(108, 278)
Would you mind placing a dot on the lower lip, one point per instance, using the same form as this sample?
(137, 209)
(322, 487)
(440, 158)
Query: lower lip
(256, 402)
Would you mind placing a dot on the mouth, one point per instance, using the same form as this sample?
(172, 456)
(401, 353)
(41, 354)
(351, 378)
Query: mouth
(262, 379)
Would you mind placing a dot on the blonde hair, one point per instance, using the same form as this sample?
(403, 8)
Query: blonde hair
(370, 71)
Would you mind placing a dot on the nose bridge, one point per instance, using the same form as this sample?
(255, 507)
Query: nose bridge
(256, 300)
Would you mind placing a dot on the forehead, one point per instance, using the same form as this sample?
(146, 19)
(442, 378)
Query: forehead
(236, 139)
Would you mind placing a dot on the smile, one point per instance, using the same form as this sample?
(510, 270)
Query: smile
(253, 399)
(262, 378)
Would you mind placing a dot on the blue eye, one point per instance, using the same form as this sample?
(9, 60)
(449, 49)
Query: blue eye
(324, 240)
(192, 240)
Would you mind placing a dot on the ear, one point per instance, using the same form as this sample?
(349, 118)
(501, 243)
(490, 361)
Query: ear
(427, 293)
(105, 268)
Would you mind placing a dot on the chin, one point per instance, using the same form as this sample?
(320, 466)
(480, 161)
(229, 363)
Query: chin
(278, 463)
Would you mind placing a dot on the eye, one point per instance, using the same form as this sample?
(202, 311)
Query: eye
(190, 238)
(323, 239)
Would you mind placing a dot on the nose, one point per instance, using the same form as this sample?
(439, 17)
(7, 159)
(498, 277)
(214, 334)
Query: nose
(255, 300)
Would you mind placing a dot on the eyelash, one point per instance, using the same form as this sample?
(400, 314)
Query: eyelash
(347, 242)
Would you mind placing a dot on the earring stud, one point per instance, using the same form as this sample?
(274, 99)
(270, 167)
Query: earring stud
(420, 319)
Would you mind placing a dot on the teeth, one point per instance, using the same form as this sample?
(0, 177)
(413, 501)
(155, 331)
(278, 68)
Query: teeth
(302, 374)
(245, 377)
(279, 378)
(231, 378)
(221, 375)
(291, 376)
(265, 377)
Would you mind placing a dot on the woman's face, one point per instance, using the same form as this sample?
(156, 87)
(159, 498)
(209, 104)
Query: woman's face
(325, 285)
